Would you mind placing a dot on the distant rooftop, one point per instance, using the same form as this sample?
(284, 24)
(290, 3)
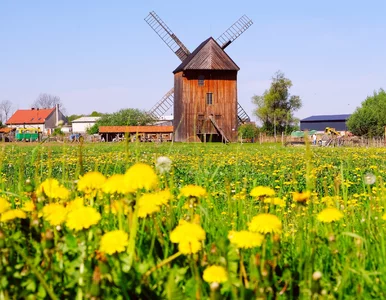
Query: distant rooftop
(86, 120)
(322, 118)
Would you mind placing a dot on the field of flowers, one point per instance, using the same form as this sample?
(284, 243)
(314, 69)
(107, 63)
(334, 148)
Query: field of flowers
(192, 221)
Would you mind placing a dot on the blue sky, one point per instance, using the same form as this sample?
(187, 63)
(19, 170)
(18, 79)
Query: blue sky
(101, 55)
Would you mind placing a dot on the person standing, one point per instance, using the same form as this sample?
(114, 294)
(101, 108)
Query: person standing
(314, 139)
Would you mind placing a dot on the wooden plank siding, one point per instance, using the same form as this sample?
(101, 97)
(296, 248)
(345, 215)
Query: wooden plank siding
(135, 129)
(191, 111)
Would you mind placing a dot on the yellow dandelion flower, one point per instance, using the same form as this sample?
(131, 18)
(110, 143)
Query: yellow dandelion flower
(74, 204)
(215, 274)
(265, 223)
(147, 205)
(116, 185)
(245, 239)
(91, 182)
(189, 246)
(52, 189)
(4, 205)
(301, 197)
(114, 242)
(262, 191)
(13, 214)
(54, 213)
(28, 206)
(275, 201)
(117, 206)
(192, 190)
(188, 237)
(329, 215)
(163, 197)
(82, 218)
(384, 217)
(140, 176)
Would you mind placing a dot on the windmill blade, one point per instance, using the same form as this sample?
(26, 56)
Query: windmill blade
(162, 106)
(234, 31)
(242, 116)
(164, 32)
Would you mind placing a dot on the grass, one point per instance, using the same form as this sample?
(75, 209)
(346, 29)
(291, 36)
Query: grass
(308, 259)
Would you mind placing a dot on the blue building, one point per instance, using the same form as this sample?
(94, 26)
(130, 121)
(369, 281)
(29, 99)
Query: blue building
(319, 123)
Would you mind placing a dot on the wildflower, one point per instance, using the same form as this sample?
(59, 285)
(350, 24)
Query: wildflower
(215, 274)
(163, 164)
(301, 197)
(55, 213)
(4, 205)
(150, 203)
(192, 191)
(91, 183)
(74, 204)
(384, 217)
(265, 223)
(188, 237)
(275, 201)
(329, 215)
(115, 184)
(28, 206)
(147, 205)
(117, 206)
(12, 214)
(52, 189)
(262, 191)
(140, 176)
(114, 241)
(369, 178)
(245, 239)
(82, 218)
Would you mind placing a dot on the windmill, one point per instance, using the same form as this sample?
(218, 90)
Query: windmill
(205, 86)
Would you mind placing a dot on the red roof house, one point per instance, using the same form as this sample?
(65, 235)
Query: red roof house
(45, 119)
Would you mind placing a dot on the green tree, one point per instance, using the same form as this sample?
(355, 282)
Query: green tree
(248, 131)
(370, 118)
(96, 114)
(129, 117)
(276, 106)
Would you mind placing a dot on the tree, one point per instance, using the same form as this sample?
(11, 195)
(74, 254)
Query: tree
(370, 118)
(5, 109)
(248, 131)
(276, 106)
(124, 117)
(45, 100)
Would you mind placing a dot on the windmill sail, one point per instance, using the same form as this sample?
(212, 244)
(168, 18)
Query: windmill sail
(242, 116)
(234, 31)
(164, 32)
(162, 106)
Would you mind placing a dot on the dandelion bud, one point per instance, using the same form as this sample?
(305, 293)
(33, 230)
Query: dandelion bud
(49, 235)
(214, 286)
(317, 275)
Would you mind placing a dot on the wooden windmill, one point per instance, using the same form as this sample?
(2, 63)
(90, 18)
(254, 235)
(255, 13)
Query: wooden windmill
(205, 86)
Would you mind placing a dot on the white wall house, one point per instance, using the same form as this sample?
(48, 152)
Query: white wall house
(82, 124)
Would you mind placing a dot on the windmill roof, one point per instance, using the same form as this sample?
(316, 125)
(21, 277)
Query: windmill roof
(327, 118)
(30, 116)
(208, 56)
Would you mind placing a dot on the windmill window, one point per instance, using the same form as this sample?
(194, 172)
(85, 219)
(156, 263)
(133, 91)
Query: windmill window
(201, 80)
(209, 98)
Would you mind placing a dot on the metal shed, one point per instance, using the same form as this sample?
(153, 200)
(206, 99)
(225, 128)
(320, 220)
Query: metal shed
(321, 122)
